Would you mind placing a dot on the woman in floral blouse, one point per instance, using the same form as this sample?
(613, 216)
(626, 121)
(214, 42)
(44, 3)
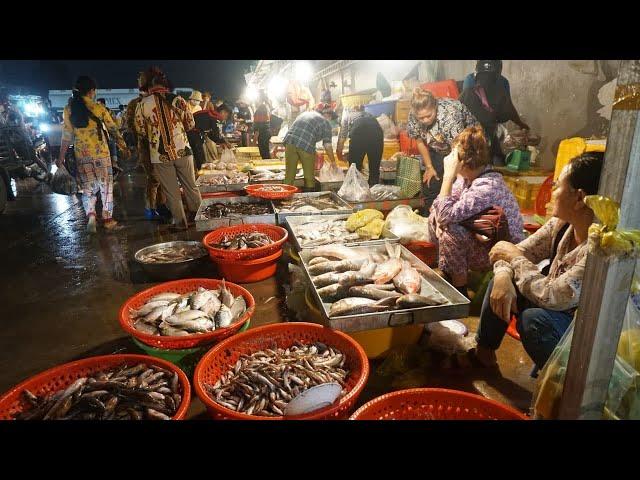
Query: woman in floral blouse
(89, 125)
(543, 302)
(435, 123)
(468, 188)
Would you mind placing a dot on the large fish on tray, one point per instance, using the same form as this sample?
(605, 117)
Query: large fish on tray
(387, 270)
(357, 305)
(408, 280)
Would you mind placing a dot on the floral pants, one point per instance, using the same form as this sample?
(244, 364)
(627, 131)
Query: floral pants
(95, 175)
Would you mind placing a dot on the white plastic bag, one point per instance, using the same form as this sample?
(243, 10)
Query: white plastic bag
(355, 187)
(330, 173)
(63, 183)
(388, 127)
(408, 225)
(227, 156)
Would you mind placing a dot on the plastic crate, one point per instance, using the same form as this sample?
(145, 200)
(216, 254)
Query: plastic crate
(383, 108)
(444, 89)
(351, 101)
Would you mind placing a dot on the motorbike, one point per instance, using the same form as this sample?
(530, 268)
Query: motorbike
(21, 156)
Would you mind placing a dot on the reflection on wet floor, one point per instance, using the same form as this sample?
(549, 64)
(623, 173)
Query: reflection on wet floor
(62, 290)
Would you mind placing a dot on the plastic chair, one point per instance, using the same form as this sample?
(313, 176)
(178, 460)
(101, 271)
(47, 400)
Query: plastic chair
(513, 333)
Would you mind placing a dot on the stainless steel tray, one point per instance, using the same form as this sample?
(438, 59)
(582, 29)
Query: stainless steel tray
(344, 206)
(293, 222)
(204, 224)
(235, 187)
(458, 306)
(328, 186)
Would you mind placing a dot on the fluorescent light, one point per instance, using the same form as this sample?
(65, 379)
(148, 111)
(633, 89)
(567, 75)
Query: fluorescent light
(303, 71)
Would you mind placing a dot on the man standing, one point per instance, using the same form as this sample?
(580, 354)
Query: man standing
(164, 119)
(300, 143)
(154, 196)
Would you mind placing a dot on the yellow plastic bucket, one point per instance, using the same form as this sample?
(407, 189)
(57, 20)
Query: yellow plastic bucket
(376, 343)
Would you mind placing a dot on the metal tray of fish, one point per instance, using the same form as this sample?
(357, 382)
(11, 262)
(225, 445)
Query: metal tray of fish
(343, 207)
(457, 305)
(206, 188)
(388, 205)
(203, 223)
(294, 222)
(328, 186)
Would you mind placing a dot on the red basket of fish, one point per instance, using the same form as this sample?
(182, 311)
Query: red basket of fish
(276, 191)
(434, 404)
(245, 242)
(187, 313)
(256, 374)
(120, 389)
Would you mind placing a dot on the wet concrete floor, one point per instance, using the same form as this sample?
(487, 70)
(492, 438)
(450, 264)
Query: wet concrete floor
(61, 290)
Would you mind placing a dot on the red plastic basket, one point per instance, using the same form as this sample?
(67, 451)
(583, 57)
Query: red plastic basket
(249, 271)
(544, 196)
(219, 194)
(186, 341)
(434, 404)
(425, 251)
(256, 191)
(223, 356)
(443, 89)
(62, 376)
(279, 235)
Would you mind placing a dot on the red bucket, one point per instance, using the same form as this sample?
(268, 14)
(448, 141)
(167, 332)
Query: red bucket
(249, 271)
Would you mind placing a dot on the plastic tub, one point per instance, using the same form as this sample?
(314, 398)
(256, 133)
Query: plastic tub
(249, 271)
(443, 89)
(224, 355)
(62, 376)
(425, 251)
(435, 404)
(188, 341)
(279, 235)
(382, 108)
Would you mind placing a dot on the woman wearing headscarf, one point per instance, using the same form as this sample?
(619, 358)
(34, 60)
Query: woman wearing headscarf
(89, 126)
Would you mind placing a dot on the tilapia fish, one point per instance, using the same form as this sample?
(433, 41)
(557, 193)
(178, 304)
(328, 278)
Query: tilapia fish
(371, 291)
(200, 311)
(413, 300)
(390, 268)
(127, 392)
(264, 382)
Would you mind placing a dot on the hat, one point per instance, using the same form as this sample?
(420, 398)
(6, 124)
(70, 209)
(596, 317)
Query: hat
(196, 95)
(490, 66)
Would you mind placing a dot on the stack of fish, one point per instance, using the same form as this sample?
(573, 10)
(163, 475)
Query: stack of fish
(201, 311)
(268, 175)
(356, 281)
(227, 179)
(173, 254)
(234, 210)
(264, 382)
(319, 231)
(242, 241)
(307, 204)
(139, 392)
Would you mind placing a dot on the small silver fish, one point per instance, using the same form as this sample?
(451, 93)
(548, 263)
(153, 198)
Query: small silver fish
(148, 308)
(357, 305)
(185, 316)
(224, 317)
(225, 295)
(414, 300)
(145, 327)
(168, 296)
(238, 308)
(211, 307)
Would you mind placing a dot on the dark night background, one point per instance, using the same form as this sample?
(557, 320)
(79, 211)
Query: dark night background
(224, 78)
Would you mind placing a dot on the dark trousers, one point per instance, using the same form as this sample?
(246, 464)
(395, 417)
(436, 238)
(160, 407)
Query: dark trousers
(433, 190)
(198, 155)
(540, 329)
(264, 135)
(244, 139)
(369, 142)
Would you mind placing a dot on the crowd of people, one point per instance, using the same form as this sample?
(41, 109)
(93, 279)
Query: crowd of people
(459, 146)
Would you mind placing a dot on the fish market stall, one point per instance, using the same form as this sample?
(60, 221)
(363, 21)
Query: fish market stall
(377, 287)
(314, 231)
(224, 212)
(388, 205)
(310, 203)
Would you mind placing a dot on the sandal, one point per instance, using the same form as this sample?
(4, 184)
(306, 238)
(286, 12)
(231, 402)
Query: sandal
(472, 356)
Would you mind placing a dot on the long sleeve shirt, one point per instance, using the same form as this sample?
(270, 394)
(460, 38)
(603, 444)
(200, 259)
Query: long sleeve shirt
(560, 290)
(469, 199)
(308, 129)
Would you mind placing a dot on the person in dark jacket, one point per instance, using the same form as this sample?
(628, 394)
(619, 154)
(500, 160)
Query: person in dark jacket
(262, 125)
(490, 102)
(207, 126)
(365, 138)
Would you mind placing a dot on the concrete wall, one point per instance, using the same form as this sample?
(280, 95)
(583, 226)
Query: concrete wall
(557, 98)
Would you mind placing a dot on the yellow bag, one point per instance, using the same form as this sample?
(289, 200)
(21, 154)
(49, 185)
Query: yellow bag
(372, 230)
(362, 218)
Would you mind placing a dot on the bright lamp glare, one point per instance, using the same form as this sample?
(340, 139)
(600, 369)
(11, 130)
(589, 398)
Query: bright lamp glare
(251, 93)
(277, 86)
(303, 71)
(44, 127)
(33, 109)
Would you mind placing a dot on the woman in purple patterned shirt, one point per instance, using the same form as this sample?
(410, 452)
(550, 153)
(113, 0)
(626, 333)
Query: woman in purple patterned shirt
(468, 188)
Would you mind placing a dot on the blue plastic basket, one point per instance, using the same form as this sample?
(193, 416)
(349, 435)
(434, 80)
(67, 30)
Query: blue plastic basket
(376, 109)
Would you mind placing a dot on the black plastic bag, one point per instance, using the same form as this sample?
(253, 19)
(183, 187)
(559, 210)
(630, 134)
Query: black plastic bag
(63, 183)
